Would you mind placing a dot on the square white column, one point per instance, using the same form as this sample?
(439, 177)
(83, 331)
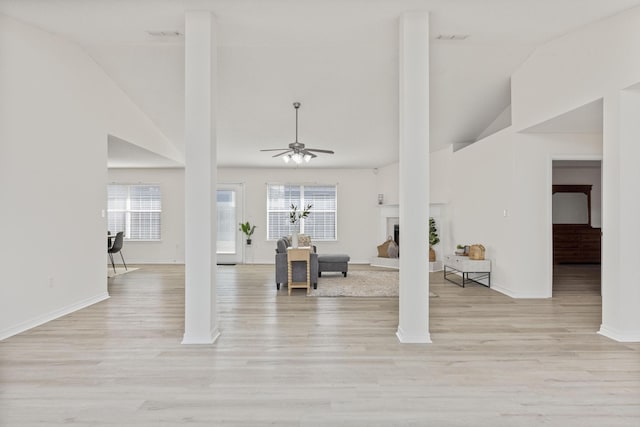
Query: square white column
(200, 179)
(620, 213)
(413, 326)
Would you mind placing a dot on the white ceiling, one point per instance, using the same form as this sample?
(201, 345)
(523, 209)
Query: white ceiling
(338, 58)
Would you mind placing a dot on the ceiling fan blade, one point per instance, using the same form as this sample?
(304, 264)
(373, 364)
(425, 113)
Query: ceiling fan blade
(317, 150)
(274, 149)
(307, 152)
(280, 154)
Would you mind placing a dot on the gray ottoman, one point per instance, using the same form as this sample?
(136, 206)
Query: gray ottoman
(337, 262)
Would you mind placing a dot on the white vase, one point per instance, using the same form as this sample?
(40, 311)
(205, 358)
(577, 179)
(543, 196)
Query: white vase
(294, 239)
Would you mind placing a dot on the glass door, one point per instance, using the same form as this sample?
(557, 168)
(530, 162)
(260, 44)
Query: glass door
(229, 245)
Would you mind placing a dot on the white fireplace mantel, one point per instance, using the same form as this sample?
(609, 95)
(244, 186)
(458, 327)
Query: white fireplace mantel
(385, 213)
(392, 212)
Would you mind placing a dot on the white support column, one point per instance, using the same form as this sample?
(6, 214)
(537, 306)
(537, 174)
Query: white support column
(620, 213)
(413, 324)
(201, 323)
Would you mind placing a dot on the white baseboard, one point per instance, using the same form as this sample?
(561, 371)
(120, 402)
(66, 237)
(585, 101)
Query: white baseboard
(385, 262)
(52, 315)
(421, 338)
(213, 335)
(143, 261)
(620, 336)
(496, 287)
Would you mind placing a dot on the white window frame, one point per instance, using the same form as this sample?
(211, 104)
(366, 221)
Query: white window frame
(300, 205)
(128, 211)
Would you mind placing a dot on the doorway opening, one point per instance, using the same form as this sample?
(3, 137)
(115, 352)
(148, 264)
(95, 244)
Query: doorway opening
(576, 221)
(230, 202)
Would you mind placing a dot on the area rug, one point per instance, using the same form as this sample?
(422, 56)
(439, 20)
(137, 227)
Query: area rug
(119, 271)
(359, 283)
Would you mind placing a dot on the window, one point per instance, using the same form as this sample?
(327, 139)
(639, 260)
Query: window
(134, 209)
(320, 224)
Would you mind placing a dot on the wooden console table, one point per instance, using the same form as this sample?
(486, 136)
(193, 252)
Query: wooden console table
(465, 266)
(298, 254)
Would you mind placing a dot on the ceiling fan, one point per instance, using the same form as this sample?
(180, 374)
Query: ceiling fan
(296, 150)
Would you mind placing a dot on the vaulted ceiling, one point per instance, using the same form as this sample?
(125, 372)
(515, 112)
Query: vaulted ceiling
(338, 58)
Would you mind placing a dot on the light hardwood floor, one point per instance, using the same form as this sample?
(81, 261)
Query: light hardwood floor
(306, 361)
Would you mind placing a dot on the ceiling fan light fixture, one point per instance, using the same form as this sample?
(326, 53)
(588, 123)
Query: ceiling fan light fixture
(307, 158)
(296, 157)
(286, 158)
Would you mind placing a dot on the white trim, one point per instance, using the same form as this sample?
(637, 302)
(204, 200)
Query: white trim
(620, 336)
(134, 261)
(549, 223)
(210, 339)
(385, 262)
(404, 338)
(516, 295)
(52, 315)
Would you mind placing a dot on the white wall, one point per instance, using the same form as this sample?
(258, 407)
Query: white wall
(578, 68)
(583, 176)
(56, 110)
(481, 191)
(501, 198)
(568, 72)
(440, 172)
(357, 211)
(387, 182)
(170, 249)
(531, 212)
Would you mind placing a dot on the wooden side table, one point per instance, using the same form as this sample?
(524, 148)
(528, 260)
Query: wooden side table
(299, 254)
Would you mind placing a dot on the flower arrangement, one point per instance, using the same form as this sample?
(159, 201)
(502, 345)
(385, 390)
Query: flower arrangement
(295, 216)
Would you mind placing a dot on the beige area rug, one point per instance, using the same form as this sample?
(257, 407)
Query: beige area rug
(119, 271)
(359, 283)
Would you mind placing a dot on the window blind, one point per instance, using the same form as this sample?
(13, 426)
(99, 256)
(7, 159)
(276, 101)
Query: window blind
(321, 224)
(135, 210)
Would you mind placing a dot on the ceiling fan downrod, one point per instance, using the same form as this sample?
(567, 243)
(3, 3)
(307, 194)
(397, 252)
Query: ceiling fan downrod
(296, 105)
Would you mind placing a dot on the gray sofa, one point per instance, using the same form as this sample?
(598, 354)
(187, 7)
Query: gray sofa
(299, 268)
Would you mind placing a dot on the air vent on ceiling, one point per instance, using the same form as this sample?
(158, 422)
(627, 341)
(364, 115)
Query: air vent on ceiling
(452, 36)
(165, 34)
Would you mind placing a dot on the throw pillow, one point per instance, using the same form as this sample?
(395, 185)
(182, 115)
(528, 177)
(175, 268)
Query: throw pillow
(383, 249)
(304, 240)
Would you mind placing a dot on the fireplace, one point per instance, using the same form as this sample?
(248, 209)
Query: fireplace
(389, 227)
(396, 234)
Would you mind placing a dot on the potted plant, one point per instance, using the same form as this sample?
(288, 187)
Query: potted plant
(247, 229)
(434, 239)
(460, 250)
